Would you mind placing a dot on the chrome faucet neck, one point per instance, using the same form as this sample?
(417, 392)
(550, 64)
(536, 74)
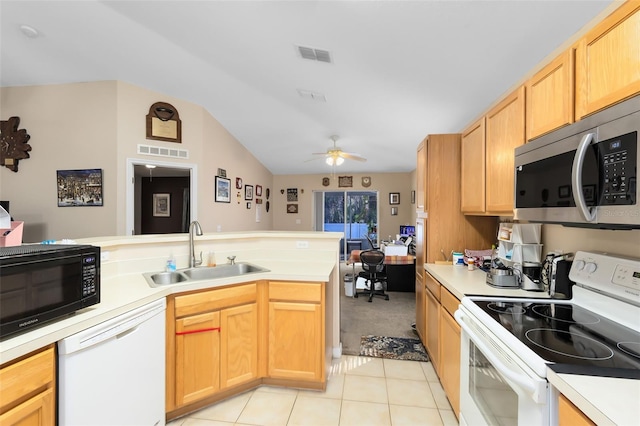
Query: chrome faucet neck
(194, 226)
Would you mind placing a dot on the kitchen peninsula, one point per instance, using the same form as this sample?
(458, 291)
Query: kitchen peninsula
(302, 280)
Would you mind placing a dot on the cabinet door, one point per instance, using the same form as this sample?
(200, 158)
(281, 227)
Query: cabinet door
(570, 415)
(295, 341)
(421, 176)
(505, 131)
(472, 182)
(238, 345)
(607, 64)
(433, 330)
(450, 359)
(37, 411)
(421, 310)
(197, 357)
(550, 96)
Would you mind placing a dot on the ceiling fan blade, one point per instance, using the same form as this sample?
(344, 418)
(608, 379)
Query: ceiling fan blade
(318, 153)
(352, 156)
(313, 159)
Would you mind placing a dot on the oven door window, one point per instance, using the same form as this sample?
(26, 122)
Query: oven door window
(495, 399)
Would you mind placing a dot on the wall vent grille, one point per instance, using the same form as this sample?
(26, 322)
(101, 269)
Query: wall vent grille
(314, 54)
(159, 151)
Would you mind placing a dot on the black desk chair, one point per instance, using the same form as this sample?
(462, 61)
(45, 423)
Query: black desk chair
(371, 243)
(373, 272)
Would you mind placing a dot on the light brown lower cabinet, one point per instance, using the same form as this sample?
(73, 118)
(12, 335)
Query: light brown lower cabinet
(570, 415)
(226, 340)
(442, 335)
(296, 331)
(27, 388)
(450, 350)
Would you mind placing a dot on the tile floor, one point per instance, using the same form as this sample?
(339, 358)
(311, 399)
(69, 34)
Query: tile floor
(360, 391)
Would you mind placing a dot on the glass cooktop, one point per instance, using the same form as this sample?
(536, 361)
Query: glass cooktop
(568, 335)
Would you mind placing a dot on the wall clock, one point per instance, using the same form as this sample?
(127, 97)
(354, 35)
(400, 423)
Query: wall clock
(13, 143)
(366, 181)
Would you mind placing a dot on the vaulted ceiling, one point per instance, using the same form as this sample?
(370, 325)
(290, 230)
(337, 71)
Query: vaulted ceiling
(398, 70)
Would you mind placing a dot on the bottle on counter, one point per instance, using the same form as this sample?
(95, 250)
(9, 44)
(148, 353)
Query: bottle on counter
(171, 263)
(211, 259)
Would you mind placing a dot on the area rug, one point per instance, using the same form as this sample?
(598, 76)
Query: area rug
(393, 348)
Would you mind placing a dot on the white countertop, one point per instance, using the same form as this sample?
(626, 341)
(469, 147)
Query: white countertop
(462, 282)
(124, 291)
(605, 400)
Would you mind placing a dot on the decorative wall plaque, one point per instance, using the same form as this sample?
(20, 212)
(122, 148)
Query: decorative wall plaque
(345, 181)
(326, 181)
(163, 123)
(292, 194)
(13, 143)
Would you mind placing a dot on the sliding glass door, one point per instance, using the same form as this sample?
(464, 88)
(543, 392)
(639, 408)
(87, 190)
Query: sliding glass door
(353, 212)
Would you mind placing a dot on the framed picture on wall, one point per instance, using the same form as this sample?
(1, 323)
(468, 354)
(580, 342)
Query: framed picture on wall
(394, 198)
(248, 192)
(162, 205)
(79, 187)
(394, 211)
(258, 190)
(223, 190)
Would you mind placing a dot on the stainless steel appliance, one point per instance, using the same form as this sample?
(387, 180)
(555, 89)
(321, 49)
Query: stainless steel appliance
(507, 344)
(40, 283)
(584, 174)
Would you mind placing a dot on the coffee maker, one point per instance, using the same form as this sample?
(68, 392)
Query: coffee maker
(531, 276)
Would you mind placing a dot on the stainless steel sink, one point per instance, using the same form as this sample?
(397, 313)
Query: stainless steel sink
(184, 276)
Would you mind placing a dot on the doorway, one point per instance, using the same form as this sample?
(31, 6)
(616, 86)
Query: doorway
(355, 213)
(160, 197)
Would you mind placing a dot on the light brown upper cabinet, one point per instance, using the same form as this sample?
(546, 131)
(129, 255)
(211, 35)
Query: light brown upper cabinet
(504, 132)
(549, 96)
(608, 61)
(472, 169)
(487, 158)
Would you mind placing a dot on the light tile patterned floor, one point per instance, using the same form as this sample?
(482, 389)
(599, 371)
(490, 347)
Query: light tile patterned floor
(360, 391)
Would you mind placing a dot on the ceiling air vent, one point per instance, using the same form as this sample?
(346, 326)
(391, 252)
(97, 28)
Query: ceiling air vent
(162, 152)
(314, 54)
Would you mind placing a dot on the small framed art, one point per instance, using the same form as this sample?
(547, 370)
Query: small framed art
(161, 205)
(394, 198)
(223, 190)
(248, 192)
(258, 190)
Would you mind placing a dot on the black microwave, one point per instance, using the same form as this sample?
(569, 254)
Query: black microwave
(41, 283)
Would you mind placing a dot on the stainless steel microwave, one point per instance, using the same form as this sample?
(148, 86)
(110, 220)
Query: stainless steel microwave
(584, 174)
(41, 283)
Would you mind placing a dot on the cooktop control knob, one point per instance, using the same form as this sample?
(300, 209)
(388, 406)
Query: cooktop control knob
(590, 267)
(579, 265)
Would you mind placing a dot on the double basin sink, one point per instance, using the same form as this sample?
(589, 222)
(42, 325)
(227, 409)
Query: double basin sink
(185, 276)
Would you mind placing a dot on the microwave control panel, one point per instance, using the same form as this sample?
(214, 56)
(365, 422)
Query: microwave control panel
(618, 160)
(89, 274)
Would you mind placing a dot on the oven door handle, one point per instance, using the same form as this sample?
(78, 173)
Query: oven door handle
(576, 178)
(536, 388)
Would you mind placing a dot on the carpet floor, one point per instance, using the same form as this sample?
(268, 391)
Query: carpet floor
(391, 318)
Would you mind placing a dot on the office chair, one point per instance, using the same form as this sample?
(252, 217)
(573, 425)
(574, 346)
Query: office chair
(372, 272)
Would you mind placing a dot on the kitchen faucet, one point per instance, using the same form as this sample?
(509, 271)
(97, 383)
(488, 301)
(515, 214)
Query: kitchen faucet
(192, 255)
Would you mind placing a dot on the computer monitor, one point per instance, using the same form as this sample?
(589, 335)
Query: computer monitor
(407, 230)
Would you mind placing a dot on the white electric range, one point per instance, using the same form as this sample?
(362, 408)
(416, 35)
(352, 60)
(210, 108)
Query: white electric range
(507, 344)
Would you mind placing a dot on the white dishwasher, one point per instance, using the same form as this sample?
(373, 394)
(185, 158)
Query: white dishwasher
(114, 373)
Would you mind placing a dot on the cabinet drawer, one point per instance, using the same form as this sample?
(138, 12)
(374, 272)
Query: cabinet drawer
(432, 284)
(211, 300)
(299, 292)
(449, 301)
(26, 376)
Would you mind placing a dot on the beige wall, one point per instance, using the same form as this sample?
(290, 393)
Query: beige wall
(99, 125)
(569, 240)
(384, 183)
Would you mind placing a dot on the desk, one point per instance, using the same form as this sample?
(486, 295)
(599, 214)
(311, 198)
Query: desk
(400, 271)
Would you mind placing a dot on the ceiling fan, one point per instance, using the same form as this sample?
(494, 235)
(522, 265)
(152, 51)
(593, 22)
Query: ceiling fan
(336, 156)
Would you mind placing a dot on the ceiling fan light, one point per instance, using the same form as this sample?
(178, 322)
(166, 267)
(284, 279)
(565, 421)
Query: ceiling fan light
(339, 160)
(329, 161)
